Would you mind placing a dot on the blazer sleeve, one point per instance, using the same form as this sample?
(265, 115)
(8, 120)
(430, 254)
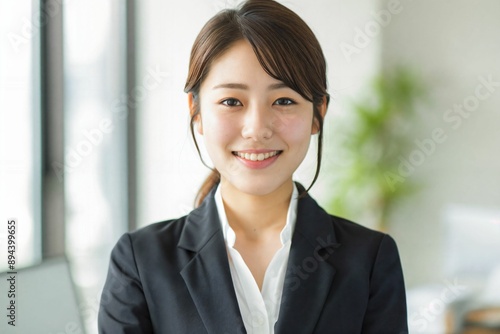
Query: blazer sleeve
(386, 312)
(123, 308)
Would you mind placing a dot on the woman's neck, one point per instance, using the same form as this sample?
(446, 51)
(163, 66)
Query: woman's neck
(253, 215)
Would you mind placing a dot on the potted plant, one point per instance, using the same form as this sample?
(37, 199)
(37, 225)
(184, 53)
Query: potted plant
(369, 145)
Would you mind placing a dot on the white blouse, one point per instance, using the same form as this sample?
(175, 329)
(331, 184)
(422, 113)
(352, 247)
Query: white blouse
(259, 309)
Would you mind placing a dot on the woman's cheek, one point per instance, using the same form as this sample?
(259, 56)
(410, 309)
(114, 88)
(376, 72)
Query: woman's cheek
(220, 129)
(295, 129)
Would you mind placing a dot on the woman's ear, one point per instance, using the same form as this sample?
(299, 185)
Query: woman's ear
(322, 110)
(193, 107)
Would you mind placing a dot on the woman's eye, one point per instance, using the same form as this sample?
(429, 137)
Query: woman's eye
(284, 102)
(231, 103)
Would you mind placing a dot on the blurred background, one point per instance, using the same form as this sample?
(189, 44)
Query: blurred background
(95, 139)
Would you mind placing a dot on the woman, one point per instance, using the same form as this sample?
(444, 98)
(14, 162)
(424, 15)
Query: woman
(257, 255)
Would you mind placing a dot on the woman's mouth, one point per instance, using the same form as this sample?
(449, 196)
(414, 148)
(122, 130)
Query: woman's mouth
(257, 159)
(256, 156)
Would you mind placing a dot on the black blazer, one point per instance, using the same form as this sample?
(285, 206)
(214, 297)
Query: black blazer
(174, 277)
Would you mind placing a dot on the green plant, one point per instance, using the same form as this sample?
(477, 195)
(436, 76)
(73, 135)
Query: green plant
(377, 133)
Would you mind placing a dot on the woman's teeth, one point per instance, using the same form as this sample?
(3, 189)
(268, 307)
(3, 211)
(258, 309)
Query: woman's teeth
(256, 156)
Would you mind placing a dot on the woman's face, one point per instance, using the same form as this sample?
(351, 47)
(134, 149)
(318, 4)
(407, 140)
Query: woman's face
(256, 130)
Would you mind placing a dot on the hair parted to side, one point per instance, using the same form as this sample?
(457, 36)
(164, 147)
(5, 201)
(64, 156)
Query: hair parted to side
(286, 48)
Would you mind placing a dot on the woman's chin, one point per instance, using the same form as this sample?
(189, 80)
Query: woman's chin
(259, 187)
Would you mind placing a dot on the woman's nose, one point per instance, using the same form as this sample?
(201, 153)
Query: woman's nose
(258, 123)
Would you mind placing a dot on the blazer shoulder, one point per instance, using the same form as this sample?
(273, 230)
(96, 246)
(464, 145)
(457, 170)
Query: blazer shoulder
(350, 232)
(367, 251)
(162, 234)
(165, 226)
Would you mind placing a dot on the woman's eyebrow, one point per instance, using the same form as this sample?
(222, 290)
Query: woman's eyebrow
(232, 85)
(273, 86)
(278, 85)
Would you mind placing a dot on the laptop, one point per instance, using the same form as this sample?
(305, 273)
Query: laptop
(40, 299)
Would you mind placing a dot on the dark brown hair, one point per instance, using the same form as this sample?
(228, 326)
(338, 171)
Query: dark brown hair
(286, 48)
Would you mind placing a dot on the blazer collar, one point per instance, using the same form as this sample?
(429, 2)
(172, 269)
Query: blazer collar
(207, 274)
(309, 274)
(307, 282)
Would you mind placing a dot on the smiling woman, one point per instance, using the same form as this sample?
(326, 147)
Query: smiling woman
(244, 113)
(258, 250)
(280, 56)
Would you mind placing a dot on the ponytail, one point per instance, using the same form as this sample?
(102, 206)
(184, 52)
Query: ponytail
(211, 181)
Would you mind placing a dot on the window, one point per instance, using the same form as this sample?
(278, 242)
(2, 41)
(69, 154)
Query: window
(95, 132)
(19, 130)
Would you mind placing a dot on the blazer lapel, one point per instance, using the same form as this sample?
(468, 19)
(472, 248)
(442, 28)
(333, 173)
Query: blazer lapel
(207, 274)
(309, 275)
